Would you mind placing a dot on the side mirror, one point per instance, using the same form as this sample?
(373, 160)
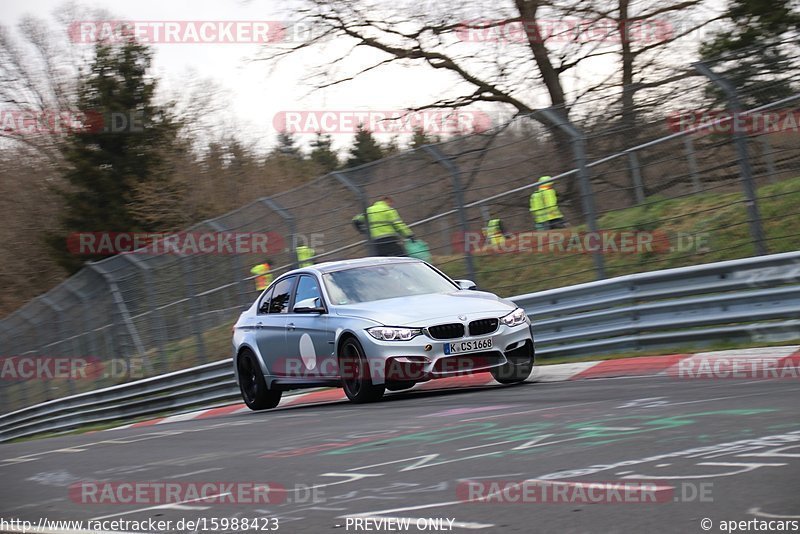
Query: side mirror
(466, 284)
(312, 305)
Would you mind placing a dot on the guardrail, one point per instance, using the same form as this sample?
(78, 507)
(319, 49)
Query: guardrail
(752, 299)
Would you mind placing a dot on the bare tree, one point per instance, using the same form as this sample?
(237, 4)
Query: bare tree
(602, 58)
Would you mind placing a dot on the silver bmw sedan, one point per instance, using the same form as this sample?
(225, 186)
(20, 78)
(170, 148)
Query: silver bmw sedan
(374, 324)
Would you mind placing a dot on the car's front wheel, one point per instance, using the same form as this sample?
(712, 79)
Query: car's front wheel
(252, 384)
(355, 372)
(519, 366)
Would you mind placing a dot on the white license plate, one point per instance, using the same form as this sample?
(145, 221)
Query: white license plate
(468, 346)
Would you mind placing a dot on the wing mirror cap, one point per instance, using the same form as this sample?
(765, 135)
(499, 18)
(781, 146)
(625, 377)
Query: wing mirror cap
(312, 305)
(466, 284)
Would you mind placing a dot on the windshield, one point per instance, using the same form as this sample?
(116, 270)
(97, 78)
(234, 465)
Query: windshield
(377, 282)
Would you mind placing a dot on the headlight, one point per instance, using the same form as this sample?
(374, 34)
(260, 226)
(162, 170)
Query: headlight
(515, 318)
(391, 333)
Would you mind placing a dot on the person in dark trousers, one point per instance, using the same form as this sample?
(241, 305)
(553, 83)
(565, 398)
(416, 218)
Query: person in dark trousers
(386, 228)
(544, 206)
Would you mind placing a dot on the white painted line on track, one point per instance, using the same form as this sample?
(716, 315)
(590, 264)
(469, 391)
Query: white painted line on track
(182, 417)
(163, 506)
(757, 512)
(182, 475)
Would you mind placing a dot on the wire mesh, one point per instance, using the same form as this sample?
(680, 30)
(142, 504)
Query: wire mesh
(674, 193)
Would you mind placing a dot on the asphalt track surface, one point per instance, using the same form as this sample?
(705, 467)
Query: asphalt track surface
(724, 449)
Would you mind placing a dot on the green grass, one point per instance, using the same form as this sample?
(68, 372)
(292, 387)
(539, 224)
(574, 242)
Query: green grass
(720, 220)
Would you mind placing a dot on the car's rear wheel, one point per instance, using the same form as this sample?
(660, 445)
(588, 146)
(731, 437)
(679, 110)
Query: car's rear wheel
(252, 384)
(517, 369)
(356, 379)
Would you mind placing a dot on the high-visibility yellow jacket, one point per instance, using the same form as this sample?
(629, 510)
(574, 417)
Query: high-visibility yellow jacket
(304, 255)
(494, 232)
(384, 221)
(263, 277)
(544, 205)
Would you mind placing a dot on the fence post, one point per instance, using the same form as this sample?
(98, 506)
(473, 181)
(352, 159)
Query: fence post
(638, 187)
(91, 345)
(766, 147)
(289, 219)
(188, 282)
(691, 159)
(455, 172)
(238, 267)
(122, 310)
(58, 311)
(735, 107)
(156, 317)
(587, 196)
(5, 401)
(362, 197)
(23, 312)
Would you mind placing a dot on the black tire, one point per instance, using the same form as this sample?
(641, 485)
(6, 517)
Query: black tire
(400, 385)
(514, 371)
(252, 384)
(356, 379)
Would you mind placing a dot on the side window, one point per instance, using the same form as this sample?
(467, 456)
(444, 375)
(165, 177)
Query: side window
(307, 288)
(279, 303)
(263, 306)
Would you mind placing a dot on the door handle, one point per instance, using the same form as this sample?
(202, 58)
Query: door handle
(259, 325)
(290, 326)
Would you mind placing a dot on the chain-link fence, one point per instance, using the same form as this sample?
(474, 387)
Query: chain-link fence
(640, 189)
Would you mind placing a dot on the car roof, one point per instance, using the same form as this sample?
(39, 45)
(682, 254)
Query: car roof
(332, 266)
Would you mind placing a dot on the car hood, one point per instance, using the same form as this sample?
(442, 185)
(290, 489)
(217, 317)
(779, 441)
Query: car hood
(422, 310)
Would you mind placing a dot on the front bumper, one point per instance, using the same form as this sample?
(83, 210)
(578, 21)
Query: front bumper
(424, 358)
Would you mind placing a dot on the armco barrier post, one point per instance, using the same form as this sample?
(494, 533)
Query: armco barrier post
(458, 192)
(363, 200)
(745, 171)
(554, 118)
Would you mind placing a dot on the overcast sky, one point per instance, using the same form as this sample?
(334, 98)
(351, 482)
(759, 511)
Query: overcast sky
(254, 94)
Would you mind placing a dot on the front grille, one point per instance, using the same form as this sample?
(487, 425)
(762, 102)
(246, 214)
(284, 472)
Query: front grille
(446, 331)
(483, 326)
